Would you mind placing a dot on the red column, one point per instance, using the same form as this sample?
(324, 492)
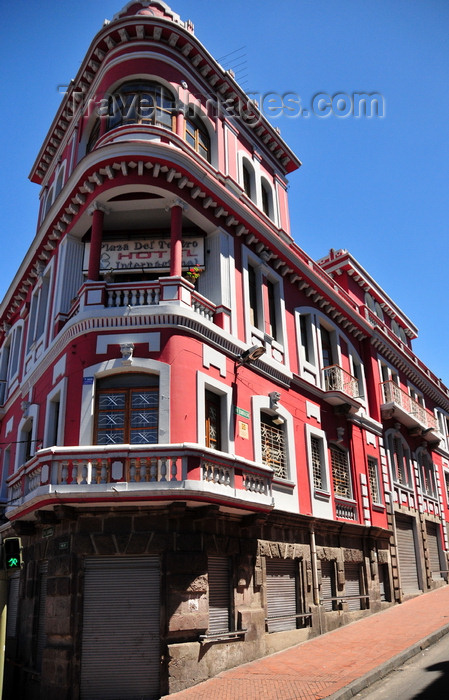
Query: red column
(176, 239)
(98, 213)
(180, 124)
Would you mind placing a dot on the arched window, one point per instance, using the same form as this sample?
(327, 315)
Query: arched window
(427, 472)
(197, 136)
(141, 102)
(93, 138)
(127, 408)
(399, 458)
(247, 185)
(267, 199)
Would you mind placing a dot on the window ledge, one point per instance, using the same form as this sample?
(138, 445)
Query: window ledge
(222, 636)
(379, 507)
(321, 495)
(283, 483)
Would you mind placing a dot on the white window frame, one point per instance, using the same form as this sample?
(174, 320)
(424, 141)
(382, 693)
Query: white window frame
(58, 392)
(110, 367)
(424, 460)
(376, 498)
(266, 184)
(38, 319)
(320, 497)
(409, 460)
(415, 394)
(262, 404)
(349, 469)
(256, 334)
(31, 416)
(312, 369)
(442, 418)
(207, 383)
(325, 490)
(10, 358)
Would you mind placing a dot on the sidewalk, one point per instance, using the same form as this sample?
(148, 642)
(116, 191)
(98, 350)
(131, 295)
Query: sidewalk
(338, 664)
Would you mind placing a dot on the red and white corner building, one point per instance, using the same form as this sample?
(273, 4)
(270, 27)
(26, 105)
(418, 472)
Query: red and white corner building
(212, 446)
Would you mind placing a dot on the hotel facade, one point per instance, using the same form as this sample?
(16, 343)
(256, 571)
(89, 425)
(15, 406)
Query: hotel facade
(213, 447)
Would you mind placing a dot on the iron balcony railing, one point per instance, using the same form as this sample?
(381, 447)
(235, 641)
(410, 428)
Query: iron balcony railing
(391, 393)
(338, 379)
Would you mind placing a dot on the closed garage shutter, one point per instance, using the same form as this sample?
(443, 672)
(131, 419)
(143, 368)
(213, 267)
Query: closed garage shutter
(281, 594)
(13, 605)
(352, 585)
(407, 555)
(41, 635)
(219, 594)
(120, 644)
(432, 544)
(328, 584)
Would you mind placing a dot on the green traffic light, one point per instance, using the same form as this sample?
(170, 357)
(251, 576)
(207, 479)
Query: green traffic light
(12, 559)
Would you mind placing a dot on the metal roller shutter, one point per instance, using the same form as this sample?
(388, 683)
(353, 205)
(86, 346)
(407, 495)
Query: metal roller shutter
(219, 594)
(281, 594)
(434, 552)
(352, 585)
(41, 635)
(327, 584)
(13, 605)
(121, 626)
(407, 556)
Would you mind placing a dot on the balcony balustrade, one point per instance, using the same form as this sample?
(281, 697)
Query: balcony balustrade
(396, 402)
(345, 509)
(130, 296)
(337, 379)
(341, 387)
(123, 472)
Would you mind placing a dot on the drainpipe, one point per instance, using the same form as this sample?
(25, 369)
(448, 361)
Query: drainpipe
(315, 587)
(316, 590)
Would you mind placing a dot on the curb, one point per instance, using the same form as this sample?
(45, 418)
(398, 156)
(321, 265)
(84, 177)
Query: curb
(384, 669)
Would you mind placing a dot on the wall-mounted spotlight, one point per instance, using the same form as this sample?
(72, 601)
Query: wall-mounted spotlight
(251, 354)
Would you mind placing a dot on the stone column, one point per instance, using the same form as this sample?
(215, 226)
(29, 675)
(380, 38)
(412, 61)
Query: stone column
(97, 211)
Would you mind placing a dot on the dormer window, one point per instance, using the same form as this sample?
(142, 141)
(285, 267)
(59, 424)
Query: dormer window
(141, 102)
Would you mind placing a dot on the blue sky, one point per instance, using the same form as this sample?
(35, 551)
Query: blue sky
(377, 187)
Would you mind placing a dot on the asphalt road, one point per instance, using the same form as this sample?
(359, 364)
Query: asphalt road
(424, 677)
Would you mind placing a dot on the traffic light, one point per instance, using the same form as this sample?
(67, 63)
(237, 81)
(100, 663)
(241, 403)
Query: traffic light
(12, 553)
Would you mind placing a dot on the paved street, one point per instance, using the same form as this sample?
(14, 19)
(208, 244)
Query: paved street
(424, 677)
(326, 665)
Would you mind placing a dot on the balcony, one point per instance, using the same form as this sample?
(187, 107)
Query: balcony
(341, 388)
(398, 404)
(133, 298)
(124, 474)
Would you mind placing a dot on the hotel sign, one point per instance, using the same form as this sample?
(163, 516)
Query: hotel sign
(146, 254)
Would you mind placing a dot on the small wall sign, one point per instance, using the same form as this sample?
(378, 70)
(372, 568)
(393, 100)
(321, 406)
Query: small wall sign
(241, 412)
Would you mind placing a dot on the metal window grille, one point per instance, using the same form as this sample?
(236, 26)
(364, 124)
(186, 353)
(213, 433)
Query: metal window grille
(317, 466)
(400, 462)
(340, 472)
(274, 447)
(427, 474)
(373, 476)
